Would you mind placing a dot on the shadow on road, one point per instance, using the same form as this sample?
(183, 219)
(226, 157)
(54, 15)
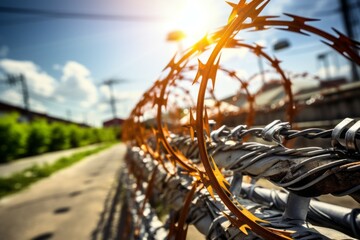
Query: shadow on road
(43, 236)
(110, 225)
(62, 210)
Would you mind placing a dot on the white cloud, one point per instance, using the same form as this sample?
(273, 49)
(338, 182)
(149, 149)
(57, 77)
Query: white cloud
(59, 98)
(12, 96)
(38, 81)
(102, 107)
(124, 101)
(231, 55)
(105, 91)
(77, 85)
(74, 88)
(37, 106)
(129, 95)
(262, 43)
(77, 117)
(57, 67)
(242, 74)
(120, 95)
(4, 51)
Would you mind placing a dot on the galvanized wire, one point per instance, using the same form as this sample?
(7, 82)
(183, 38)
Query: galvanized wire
(207, 214)
(307, 171)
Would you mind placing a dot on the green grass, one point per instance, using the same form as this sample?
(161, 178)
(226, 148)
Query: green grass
(23, 179)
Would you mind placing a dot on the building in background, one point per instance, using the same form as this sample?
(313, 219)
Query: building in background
(114, 122)
(26, 115)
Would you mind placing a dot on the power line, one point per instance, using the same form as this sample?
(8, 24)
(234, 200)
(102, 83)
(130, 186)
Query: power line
(78, 15)
(35, 19)
(52, 101)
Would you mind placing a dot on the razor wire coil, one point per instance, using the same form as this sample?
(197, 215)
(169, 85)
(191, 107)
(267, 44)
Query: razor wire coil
(200, 162)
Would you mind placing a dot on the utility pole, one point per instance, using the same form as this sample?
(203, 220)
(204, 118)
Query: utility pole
(324, 58)
(110, 83)
(25, 92)
(261, 68)
(345, 10)
(13, 80)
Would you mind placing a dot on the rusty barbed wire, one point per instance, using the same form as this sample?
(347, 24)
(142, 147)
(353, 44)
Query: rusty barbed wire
(148, 129)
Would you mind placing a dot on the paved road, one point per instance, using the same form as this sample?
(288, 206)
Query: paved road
(71, 204)
(7, 169)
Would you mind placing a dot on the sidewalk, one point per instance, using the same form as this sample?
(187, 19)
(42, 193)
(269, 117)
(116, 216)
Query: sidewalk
(7, 169)
(78, 202)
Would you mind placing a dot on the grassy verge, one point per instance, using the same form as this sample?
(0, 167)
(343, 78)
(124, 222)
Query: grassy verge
(23, 179)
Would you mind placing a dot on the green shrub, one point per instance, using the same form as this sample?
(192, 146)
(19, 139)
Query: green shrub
(39, 137)
(96, 135)
(60, 137)
(107, 134)
(24, 139)
(75, 135)
(86, 139)
(12, 138)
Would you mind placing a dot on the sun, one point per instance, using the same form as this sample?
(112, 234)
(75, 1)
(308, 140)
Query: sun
(195, 19)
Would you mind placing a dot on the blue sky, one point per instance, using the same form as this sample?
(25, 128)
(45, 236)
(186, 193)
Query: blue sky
(65, 60)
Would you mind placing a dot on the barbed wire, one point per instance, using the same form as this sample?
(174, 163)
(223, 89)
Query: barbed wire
(197, 155)
(300, 170)
(207, 214)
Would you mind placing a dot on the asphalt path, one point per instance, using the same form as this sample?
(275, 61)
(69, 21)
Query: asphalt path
(6, 169)
(79, 202)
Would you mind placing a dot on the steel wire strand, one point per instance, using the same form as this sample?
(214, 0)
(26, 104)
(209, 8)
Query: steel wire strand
(301, 167)
(174, 188)
(300, 170)
(323, 214)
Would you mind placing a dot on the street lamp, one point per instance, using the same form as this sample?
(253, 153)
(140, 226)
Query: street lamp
(281, 44)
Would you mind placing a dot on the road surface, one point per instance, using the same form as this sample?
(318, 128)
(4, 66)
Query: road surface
(79, 202)
(6, 169)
